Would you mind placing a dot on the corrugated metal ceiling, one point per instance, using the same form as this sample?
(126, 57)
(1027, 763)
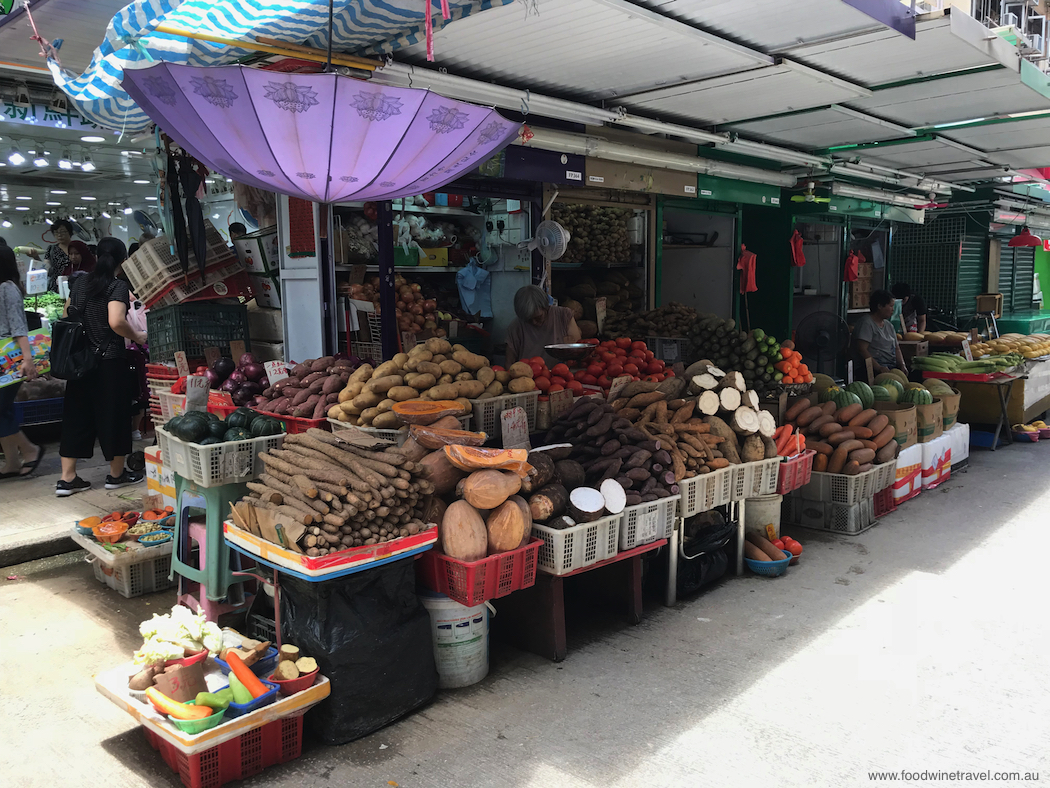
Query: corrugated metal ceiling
(822, 128)
(593, 49)
(1023, 158)
(786, 87)
(1004, 136)
(920, 154)
(942, 44)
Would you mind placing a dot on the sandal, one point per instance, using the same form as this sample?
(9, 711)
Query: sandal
(29, 467)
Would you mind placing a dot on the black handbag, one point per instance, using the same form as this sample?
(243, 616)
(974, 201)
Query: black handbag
(73, 357)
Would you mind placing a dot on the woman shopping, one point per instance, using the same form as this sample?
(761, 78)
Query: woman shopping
(98, 406)
(21, 456)
(538, 324)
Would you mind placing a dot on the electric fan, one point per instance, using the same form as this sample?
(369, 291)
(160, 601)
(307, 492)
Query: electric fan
(822, 336)
(551, 239)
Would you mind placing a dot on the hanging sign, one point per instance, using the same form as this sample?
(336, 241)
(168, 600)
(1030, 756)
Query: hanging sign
(599, 310)
(515, 429)
(966, 350)
(236, 349)
(618, 385)
(211, 355)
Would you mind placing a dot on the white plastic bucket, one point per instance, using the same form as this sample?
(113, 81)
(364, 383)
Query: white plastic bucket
(461, 640)
(762, 511)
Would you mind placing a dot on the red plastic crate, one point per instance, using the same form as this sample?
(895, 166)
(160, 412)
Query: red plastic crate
(471, 583)
(237, 759)
(294, 426)
(796, 472)
(885, 503)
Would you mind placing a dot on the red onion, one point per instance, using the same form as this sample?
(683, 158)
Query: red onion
(230, 386)
(223, 367)
(243, 395)
(245, 360)
(253, 371)
(213, 378)
(264, 381)
(237, 376)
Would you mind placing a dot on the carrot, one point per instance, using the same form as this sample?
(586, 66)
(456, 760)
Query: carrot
(173, 708)
(782, 442)
(245, 676)
(782, 366)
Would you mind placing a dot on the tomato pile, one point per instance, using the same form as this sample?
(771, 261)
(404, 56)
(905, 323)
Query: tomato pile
(609, 360)
(788, 545)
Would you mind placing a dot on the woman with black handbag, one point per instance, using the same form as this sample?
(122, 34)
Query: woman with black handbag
(97, 406)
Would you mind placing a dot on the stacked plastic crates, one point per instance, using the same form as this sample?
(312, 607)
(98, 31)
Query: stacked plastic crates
(837, 502)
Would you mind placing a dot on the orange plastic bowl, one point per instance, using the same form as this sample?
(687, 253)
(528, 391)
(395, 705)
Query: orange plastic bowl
(110, 532)
(291, 686)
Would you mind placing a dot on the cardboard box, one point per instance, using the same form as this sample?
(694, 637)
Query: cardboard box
(903, 419)
(990, 302)
(268, 351)
(265, 324)
(259, 251)
(437, 257)
(160, 481)
(950, 413)
(910, 350)
(929, 424)
(860, 286)
(865, 270)
(908, 481)
(267, 293)
(183, 683)
(859, 300)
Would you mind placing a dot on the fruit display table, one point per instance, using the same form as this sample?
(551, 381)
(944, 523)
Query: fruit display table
(534, 618)
(1005, 400)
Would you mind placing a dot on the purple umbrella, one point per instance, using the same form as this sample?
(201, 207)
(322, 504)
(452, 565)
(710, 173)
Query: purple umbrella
(321, 137)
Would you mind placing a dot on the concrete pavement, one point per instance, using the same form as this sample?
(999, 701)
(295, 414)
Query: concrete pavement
(920, 645)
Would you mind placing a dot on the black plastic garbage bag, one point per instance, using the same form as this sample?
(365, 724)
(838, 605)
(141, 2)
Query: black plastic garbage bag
(371, 637)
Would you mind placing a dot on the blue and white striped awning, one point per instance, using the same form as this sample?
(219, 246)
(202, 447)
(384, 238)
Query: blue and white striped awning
(132, 42)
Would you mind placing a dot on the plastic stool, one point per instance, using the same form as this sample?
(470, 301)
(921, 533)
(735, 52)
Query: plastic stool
(198, 597)
(213, 572)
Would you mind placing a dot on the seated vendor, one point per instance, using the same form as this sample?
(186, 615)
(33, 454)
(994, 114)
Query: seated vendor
(538, 324)
(875, 338)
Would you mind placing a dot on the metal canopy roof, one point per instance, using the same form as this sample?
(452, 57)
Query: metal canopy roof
(81, 24)
(921, 154)
(1023, 158)
(785, 87)
(822, 128)
(942, 44)
(593, 49)
(1007, 135)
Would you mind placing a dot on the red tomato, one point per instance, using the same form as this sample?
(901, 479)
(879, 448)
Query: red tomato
(595, 369)
(609, 343)
(557, 387)
(778, 544)
(608, 357)
(614, 370)
(630, 369)
(589, 379)
(575, 387)
(498, 368)
(655, 378)
(653, 367)
(604, 382)
(649, 355)
(659, 363)
(561, 370)
(537, 360)
(669, 373)
(580, 374)
(794, 548)
(591, 341)
(542, 383)
(623, 342)
(620, 353)
(638, 345)
(558, 379)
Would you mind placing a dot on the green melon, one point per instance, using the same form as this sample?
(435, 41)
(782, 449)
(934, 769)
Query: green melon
(828, 394)
(894, 386)
(822, 382)
(882, 394)
(863, 392)
(843, 398)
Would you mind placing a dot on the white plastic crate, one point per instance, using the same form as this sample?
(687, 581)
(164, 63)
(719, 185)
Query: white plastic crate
(647, 522)
(706, 491)
(752, 479)
(669, 349)
(487, 412)
(369, 351)
(132, 580)
(171, 405)
(837, 518)
(219, 463)
(843, 489)
(567, 550)
(182, 290)
(154, 266)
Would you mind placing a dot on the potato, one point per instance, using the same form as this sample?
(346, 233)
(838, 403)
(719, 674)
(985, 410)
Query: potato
(368, 415)
(349, 392)
(350, 409)
(494, 389)
(415, 359)
(387, 368)
(438, 345)
(470, 389)
(465, 404)
(367, 399)
(443, 379)
(361, 374)
(458, 348)
(444, 391)
(429, 368)
(464, 376)
(422, 382)
(438, 358)
(417, 350)
(503, 376)
(402, 393)
(486, 375)
(386, 404)
(409, 376)
(386, 421)
(486, 394)
(519, 369)
(385, 383)
(400, 359)
(521, 385)
(336, 412)
(470, 360)
(451, 367)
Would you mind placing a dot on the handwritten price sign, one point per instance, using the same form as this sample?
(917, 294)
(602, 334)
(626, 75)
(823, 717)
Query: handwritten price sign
(515, 429)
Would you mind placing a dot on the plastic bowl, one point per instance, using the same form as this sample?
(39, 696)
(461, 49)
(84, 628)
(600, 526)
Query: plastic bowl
(261, 667)
(87, 525)
(198, 726)
(200, 656)
(573, 351)
(292, 686)
(110, 532)
(268, 697)
(154, 542)
(768, 568)
(1026, 437)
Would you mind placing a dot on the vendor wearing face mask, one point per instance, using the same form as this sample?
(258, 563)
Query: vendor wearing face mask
(538, 324)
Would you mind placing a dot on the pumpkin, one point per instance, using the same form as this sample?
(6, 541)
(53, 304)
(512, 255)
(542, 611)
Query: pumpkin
(419, 411)
(435, 437)
(462, 532)
(237, 434)
(509, 525)
(471, 458)
(264, 426)
(242, 417)
(440, 472)
(489, 489)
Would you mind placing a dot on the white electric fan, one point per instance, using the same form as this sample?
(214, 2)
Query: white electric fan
(551, 239)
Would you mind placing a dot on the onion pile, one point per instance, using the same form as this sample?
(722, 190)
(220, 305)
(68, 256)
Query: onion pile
(243, 380)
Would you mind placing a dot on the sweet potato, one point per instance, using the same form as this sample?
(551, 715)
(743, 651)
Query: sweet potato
(862, 456)
(862, 418)
(797, 408)
(754, 553)
(730, 447)
(809, 415)
(844, 415)
(820, 447)
(841, 437)
(820, 462)
(838, 459)
(878, 424)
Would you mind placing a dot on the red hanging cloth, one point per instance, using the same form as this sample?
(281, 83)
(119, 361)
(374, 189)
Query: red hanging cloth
(798, 259)
(746, 266)
(853, 261)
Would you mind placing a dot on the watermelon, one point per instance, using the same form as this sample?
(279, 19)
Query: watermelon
(842, 398)
(828, 394)
(894, 386)
(863, 392)
(919, 396)
(882, 394)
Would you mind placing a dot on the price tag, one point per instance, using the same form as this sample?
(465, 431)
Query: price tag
(182, 364)
(599, 311)
(618, 385)
(197, 390)
(849, 371)
(966, 350)
(670, 354)
(645, 527)
(560, 402)
(275, 370)
(211, 355)
(515, 429)
(236, 349)
(771, 532)
(357, 274)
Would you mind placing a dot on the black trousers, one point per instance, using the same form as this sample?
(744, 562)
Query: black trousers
(98, 408)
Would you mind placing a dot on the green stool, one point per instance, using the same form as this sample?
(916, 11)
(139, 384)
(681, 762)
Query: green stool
(213, 573)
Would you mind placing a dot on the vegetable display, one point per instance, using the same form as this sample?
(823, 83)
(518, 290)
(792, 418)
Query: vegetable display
(292, 664)
(175, 635)
(597, 234)
(671, 320)
(580, 293)
(948, 362)
(415, 312)
(847, 437)
(609, 360)
(310, 389)
(206, 429)
(348, 488)
(762, 360)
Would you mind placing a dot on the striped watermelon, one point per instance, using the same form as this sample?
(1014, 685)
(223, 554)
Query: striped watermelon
(919, 396)
(843, 398)
(828, 394)
(863, 392)
(882, 394)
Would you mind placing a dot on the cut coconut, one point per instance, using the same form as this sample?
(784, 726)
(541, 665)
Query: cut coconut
(586, 504)
(614, 495)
